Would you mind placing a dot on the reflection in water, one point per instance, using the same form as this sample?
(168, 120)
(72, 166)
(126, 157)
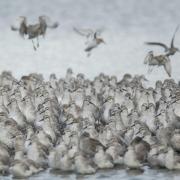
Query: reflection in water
(144, 174)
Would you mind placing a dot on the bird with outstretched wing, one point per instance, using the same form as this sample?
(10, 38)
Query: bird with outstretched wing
(92, 38)
(169, 50)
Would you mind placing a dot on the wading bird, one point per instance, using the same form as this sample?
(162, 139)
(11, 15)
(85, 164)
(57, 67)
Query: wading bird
(92, 39)
(35, 30)
(160, 60)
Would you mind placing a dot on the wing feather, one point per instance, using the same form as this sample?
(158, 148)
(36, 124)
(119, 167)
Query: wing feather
(13, 28)
(53, 26)
(148, 58)
(172, 41)
(167, 67)
(157, 44)
(84, 32)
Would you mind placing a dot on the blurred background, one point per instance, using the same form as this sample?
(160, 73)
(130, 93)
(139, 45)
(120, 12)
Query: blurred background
(127, 25)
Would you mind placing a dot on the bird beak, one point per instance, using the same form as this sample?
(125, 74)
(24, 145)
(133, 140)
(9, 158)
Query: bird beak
(13, 94)
(154, 92)
(124, 89)
(9, 104)
(137, 132)
(23, 100)
(146, 79)
(158, 115)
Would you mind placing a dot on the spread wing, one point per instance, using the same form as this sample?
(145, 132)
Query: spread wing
(13, 28)
(21, 26)
(53, 25)
(172, 41)
(167, 67)
(22, 30)
(148, 58)
(45, 20)
(157, 44)
(84, 32)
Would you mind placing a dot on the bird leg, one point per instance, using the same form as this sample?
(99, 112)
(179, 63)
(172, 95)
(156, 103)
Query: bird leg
(88, 54)
(34, 45)
(37, 41)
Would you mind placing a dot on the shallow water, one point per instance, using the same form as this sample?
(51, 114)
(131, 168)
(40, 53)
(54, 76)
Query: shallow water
(113, 174)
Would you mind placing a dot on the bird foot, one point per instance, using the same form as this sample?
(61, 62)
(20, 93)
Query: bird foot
(34, 48)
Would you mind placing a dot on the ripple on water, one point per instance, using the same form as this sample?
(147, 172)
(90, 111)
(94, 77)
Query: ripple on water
(114, 174)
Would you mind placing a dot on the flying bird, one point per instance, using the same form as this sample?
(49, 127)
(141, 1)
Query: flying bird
(160, 60)
(93, 40)
(169, 50)
(33, 31)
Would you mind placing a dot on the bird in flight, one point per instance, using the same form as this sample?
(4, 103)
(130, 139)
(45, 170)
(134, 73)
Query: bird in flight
(93, 40)
(33, 31)
(161, 60)
(169, 50)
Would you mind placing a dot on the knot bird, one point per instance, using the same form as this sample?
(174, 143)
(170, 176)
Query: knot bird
(160, 60)
(33, 31)
(92, 39)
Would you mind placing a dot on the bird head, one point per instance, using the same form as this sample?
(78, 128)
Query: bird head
(100, 40)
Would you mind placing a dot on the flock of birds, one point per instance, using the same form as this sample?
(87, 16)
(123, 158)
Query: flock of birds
(39, 29)
(77, 125)
(74, 124)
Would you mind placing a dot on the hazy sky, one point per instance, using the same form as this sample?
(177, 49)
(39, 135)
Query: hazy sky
(103, 12)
